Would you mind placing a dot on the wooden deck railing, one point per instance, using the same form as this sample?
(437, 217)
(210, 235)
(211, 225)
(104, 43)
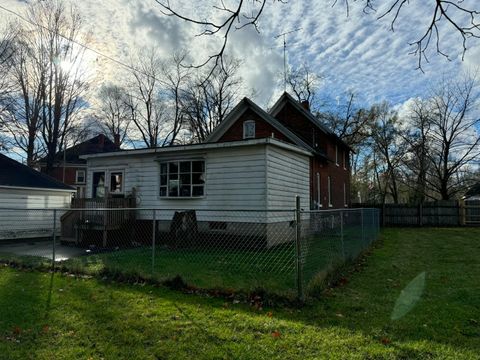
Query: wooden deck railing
(85, 214)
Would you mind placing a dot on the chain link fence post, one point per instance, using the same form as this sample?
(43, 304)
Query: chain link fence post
(154, 222)
(363, 227)
(298, 248)
(341, 235)
(54, 235)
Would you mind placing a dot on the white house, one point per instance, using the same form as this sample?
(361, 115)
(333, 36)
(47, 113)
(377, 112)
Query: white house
(230, 185)
(23, 189)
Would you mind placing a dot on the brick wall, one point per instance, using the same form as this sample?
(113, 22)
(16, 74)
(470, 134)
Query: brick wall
(262, 129)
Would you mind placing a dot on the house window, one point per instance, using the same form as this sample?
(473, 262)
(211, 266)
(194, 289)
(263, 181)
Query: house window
(319, 193)
(345, 194)
(80, 177)
(116, 182)
(98, 183)
(182, 179)
(345, 160)
(249, 129)
(336, 154)
(330, 192)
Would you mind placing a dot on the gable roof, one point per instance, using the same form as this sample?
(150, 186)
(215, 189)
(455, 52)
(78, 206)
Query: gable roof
(287, 98)
(95, 145)
(14, 174)
(238, 110)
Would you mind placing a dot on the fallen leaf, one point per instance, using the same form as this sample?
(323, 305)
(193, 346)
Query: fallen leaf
(269, 314)
(276, 334)
(385, 341)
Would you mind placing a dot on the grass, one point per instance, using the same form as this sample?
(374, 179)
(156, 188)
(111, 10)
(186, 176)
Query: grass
(205, 268)
(46, 316)
(243, 270)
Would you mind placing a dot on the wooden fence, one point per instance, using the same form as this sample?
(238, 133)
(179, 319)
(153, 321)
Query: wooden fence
(436, 213)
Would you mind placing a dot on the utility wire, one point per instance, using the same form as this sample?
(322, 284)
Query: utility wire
(79, 43)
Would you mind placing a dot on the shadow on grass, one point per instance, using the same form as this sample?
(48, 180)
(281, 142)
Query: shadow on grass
(446, 313)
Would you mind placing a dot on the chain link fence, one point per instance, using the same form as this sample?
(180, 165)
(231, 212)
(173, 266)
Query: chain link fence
(286, 252)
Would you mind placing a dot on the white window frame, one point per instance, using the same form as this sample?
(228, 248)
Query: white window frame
(319, 193)
(345, 159)
(178, 161)
(113, 171)
(84, 176)
(245, 124)
(330, 192)
(345, 194)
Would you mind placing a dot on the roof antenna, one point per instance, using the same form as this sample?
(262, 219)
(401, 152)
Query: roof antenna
(285, 53)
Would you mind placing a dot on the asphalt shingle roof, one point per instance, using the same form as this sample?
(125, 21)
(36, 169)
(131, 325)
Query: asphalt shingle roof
(12, 173)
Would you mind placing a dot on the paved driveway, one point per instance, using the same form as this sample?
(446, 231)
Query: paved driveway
(43, 249)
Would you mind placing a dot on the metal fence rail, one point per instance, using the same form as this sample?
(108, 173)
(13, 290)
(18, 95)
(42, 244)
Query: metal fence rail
(287, 252)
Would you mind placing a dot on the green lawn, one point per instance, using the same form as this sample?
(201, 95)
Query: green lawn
(54, 316)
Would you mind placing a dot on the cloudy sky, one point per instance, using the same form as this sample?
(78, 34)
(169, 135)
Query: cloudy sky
(356, 53)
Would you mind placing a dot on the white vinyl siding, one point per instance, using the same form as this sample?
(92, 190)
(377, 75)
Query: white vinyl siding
(288, 175)
(234, 179)
(25, 223)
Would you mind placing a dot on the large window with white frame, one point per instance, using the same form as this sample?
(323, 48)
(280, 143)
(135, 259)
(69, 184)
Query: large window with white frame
(249, 129)
(182, 179)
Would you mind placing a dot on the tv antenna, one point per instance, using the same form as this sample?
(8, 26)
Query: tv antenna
(285, 53)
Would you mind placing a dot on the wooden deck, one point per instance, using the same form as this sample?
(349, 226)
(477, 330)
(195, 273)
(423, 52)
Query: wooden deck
(93, 215)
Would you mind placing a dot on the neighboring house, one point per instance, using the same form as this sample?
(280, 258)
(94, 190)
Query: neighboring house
(254, 160)
(292, 122)
(70, 169)
(24, 189)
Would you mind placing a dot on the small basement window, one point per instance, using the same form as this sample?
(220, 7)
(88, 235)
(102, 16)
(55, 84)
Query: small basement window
(182, 179)
(249, 129)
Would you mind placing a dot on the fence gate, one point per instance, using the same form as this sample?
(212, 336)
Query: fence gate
(472, 212)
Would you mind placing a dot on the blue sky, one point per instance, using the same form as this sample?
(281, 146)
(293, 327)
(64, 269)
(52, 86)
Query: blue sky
(356, 53)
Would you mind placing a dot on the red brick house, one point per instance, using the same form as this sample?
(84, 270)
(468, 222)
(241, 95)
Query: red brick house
(292, 122)
(70, 169)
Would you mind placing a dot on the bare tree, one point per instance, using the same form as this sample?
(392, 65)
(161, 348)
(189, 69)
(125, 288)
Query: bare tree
(455, 15)
(207, 102)
(148, 109)
(453, 135)
(7, 50)
(176, 77)
(349, 122)
(47, 69)
(113, 113)
(458, 17)
(232, 17)
(416, 138)
(304, 83)
(387, 150)
(23, 116)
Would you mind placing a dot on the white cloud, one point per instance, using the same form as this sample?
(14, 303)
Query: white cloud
(356, 52)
